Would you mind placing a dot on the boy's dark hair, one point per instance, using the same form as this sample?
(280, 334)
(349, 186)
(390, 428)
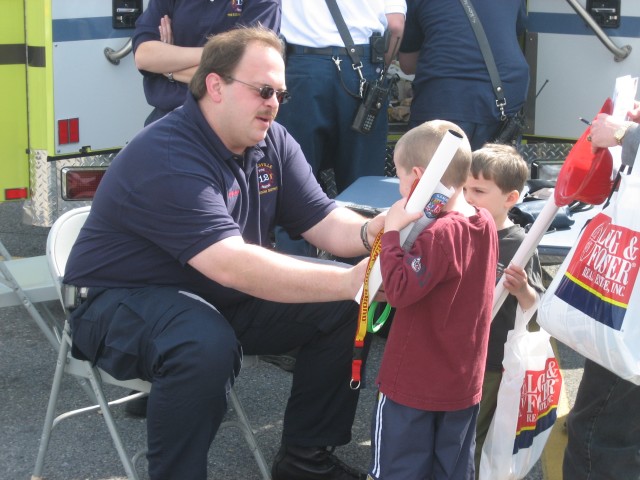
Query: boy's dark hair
(502, 164)
(222, 54)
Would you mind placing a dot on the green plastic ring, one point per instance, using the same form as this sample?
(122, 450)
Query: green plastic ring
(373, 324)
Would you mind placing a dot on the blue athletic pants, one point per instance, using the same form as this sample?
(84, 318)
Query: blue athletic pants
(407, 443)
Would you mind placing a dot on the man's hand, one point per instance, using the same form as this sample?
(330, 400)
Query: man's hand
(604, 127)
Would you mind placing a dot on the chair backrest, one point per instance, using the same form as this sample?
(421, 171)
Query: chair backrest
(62, 236)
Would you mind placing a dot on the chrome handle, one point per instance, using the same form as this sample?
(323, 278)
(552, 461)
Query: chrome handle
(114, 56)
(619, 53)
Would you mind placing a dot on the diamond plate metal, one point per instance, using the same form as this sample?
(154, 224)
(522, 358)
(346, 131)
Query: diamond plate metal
(544, 151)
(45, 204)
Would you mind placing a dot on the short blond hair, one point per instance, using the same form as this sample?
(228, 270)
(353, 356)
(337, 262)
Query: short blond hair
(418, 145)
(502, 164)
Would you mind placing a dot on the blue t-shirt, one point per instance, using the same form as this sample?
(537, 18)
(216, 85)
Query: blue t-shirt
(175, 190)
(452, 82)
(192, 22)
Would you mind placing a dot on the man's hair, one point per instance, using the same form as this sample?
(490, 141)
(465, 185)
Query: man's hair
(420, 143)
(222, 54)
(502, 164)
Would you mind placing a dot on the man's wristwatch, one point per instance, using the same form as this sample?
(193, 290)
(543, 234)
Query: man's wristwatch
(620, 132)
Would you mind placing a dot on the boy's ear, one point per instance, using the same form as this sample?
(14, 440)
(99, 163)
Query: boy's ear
(512, 198)
(418, 172)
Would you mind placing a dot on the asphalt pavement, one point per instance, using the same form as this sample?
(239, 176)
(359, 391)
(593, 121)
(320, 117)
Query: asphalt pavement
(81, 447)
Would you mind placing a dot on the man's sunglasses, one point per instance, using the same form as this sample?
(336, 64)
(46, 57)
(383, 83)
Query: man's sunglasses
(265, 92)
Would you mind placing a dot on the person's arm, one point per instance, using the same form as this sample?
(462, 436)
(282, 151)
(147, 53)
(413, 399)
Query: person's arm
(340, 232)
(395, 26)
(630, 144)
(408, 62)
(162, 56)
(604, 127)
(272, 276)
(412, 39)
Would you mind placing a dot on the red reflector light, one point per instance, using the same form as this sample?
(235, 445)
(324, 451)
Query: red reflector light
(81, 184)
(74, 130)
(63, 132)
(16, 193)
(68, 131)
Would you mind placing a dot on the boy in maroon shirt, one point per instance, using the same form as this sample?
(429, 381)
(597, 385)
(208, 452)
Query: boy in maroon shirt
(430, 379)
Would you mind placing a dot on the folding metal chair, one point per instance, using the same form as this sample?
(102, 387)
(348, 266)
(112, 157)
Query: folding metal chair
(26, 282)
(60, 240)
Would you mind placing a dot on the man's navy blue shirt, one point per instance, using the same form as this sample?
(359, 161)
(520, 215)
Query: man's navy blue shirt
(175, 190)
(192, 22)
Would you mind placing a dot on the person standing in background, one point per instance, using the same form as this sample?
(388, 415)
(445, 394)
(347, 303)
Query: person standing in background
(451, 78)
(170, 34)
(325, 88)
(324, 85)
(603, 427)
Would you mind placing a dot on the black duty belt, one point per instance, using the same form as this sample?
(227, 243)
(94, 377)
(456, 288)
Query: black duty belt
(329, 51)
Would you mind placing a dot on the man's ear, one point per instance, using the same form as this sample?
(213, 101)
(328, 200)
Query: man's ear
(213, 81)
(512, 198)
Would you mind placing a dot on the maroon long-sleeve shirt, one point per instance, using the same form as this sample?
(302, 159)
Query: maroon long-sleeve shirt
(443, 293)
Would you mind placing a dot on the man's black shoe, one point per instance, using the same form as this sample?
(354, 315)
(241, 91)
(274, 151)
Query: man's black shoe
(311, 463)
(137, 407)
(285, 362)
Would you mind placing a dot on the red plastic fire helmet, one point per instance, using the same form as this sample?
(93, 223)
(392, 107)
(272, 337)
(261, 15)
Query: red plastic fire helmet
(585, 176)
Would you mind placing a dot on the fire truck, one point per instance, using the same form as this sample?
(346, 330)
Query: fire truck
(576, 49)
(72, 97)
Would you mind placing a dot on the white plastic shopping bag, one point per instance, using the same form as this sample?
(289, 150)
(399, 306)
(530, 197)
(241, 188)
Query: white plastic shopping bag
(593, 305)
(527, 401)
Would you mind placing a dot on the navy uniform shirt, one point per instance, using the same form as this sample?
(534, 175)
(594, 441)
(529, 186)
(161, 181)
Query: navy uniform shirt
(452, 80)
(192, 22)
(175, 190)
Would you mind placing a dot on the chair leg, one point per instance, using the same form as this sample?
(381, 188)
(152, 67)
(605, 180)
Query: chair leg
(94, 379)
(97, 393)
(53, 400)
(244, 425)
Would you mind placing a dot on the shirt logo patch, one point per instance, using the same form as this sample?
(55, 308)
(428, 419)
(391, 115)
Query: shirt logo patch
(266, 180)
(416, 265)
(236, 7)
(435, 205)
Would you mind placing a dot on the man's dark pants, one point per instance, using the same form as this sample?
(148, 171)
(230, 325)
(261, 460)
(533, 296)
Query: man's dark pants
(603, 428)
(192, 352)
